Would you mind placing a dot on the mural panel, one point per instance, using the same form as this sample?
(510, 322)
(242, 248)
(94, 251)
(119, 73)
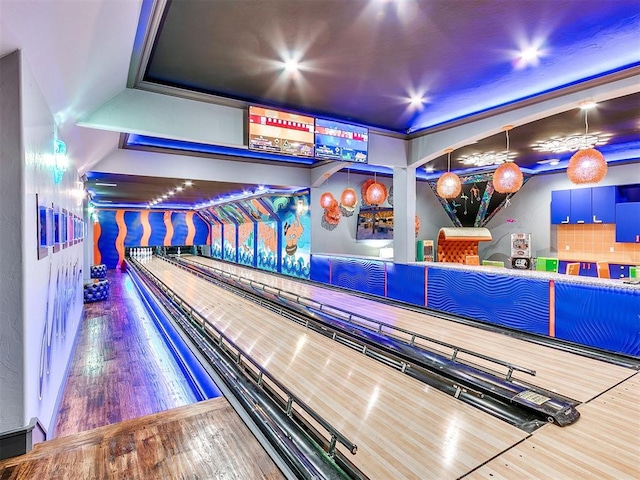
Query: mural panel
(296, 234)
(216, 240)
(246, 244)
(229, 247)
(268, 246)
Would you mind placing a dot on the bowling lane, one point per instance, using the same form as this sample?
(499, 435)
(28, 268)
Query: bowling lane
(403, 428)
(556, 370)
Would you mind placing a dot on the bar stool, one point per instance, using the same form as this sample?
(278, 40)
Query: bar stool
(573, 269)
(603, 269)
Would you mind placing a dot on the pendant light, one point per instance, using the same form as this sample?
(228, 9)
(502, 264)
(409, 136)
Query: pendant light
(449, 184)
(587, 165)
(376, 193)
(349, 197)
(508, 177)
(327, 200)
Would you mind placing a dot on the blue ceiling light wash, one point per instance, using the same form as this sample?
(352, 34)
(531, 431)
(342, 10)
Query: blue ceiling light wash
(134, 140)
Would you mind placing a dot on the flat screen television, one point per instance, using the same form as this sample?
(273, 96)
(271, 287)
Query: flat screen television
(375, 224)
(274, 131)
(341, 141)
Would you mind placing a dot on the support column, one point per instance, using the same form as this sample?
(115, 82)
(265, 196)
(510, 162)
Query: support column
(404, 212)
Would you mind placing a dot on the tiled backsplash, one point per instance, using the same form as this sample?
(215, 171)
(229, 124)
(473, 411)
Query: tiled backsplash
(592, 243)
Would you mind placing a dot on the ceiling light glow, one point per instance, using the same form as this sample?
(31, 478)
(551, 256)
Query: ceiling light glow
(188, 183)
(416, 100)
(291, 66)
(487, 158)
(587, 104)
(572, 143)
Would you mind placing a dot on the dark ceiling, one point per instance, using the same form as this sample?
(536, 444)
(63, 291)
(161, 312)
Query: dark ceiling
(361, 60)
(140, 190)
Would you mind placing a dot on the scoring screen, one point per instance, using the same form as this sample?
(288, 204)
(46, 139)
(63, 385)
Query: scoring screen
(341, 141)
(275, 131)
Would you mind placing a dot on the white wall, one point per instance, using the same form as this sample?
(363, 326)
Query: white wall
(50, 288)
(530, 212)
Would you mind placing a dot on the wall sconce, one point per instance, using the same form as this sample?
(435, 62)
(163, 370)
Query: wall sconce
(60, 160)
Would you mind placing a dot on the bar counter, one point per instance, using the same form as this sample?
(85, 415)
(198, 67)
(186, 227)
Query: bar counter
(599, 313)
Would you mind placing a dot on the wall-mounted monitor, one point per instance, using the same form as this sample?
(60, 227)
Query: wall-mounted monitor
(341, 141)
(274, 131)
(375, 224)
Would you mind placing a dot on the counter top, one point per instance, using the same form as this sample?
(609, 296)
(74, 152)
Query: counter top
(533, 274)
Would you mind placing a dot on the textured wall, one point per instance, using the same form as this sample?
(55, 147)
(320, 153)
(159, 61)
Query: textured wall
(11, 328)
(40, 291)
(121, 229)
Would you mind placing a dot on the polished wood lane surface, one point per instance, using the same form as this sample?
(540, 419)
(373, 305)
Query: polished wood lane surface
(604, 444)
(562, 372)
(121, 367)
(403, 428)
(206, 440)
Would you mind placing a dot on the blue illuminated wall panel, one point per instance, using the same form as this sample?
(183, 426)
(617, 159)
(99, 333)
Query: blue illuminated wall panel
(520, 303)
(180, 229)
(607, 319)
(134, 229)
(158, 228)
(320, 268)
(107, 240)
(363, 275)
(405, 283)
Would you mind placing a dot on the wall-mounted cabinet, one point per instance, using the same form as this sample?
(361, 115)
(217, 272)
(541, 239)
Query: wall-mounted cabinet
(628, 222)
(584, 205)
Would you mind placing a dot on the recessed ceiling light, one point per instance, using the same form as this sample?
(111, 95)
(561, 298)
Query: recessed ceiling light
(165, 196)
(188, 183)
(416, 100)
(178, 189)
(529, 55)
(171, 192)
(291, 66)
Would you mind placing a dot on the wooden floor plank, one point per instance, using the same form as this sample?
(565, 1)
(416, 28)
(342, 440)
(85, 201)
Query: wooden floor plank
(121, 368)
(206, 440)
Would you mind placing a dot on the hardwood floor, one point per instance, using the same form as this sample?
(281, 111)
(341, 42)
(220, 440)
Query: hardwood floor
(558, 371)
(604, 444)
(404, 429)
(121, 368)
(206, 440)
